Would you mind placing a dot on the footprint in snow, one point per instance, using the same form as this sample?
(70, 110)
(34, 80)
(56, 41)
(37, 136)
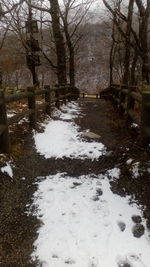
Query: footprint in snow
(92, 264)
(69, 261)
(122, 226)
(124, 265)
(44, 264)
(54, 256)
(136, 219)
(95, 198)
(129, 261)
(75, 184)
(99, 191)
(138, 230)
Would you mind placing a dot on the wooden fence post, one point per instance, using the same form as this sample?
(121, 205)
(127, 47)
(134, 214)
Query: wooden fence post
(48, 99)
(122, 99)
(64, 92)
(4, 134)
(113, 89)
(57, 104)
(70, 92)
(130, 104)
(145, 118)
(32, 106)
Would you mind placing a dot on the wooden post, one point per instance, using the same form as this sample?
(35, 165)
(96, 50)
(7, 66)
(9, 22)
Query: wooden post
(68, 86)
(64, 92)
(114, 95)
(57, 104)
(31, 105)
(48, 99)
(145, 118)
(4, 134)
(130, 103)
(122, 99)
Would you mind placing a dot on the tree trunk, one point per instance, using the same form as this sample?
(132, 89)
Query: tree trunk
(111, 57)
(72, 68)
(71, 56)
(133, 68)
(59, 43)
(128, 44)
(143, 37)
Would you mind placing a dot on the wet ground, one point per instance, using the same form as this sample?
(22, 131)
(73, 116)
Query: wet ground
(17, 228)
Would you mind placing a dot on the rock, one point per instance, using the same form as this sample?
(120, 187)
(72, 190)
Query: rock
(138, 230)
(91, 135)
(136, 219)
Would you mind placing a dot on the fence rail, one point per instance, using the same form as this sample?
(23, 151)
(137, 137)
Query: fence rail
(126, 99)
(52, 96)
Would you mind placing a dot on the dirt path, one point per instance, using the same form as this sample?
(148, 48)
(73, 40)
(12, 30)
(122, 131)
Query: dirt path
(18, 229)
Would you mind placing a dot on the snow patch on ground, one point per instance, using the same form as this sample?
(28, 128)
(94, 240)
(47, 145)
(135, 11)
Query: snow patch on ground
(68, 112)
(134, 125)
(82, 221)
(129, 161)
(114, 173)
(135, 170)
(7, 169)
(63, 139)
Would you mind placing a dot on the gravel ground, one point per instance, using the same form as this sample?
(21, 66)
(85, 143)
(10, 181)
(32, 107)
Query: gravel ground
(18, 230)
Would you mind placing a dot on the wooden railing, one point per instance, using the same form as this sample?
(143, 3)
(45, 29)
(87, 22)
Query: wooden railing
(54, 96)
(134, 105)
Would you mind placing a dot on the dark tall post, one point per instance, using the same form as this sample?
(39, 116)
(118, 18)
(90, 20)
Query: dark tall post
(4, 135)
(1, 78)
(122, 99)
(145, 118)
(48, 99)
(130, 103)
(31, 105)
(64, 93)
(32, 67)
(57, 94)
(33, 46)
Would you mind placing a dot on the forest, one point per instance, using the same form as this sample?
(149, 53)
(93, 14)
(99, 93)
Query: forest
(75, 42)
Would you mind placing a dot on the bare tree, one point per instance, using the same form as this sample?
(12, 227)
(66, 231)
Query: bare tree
(144, 12)
(72, 15)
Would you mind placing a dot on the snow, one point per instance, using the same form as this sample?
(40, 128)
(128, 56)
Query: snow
(7, 169)
(68, 112)
(134, 125)
(129, 161)
(63, 139)
(81, 230)
(135, 170)
(114, 173)
(23, 120)
(10, 115)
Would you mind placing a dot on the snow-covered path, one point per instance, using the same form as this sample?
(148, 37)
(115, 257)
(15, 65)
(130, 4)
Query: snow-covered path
(83, 223)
